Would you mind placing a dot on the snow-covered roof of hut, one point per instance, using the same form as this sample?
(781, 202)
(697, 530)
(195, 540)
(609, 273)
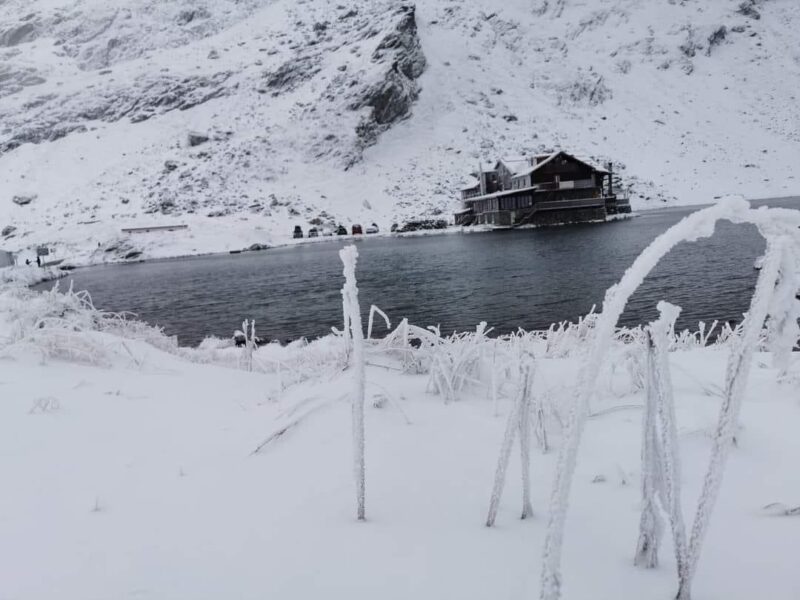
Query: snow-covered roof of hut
(470, 183)
(541, 163)
(515, 164)
(590, 162)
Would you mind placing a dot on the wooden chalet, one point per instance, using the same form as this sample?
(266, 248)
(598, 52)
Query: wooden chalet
(540, 190)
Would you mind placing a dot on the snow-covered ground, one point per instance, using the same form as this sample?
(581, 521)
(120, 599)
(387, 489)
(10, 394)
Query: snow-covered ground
(136, 469)
(320, 112)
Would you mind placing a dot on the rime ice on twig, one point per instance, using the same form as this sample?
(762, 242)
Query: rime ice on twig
(661, 464)
(700, 224)
(650, 525)
(736, 377)
(372, 310)
(352, 320)
(518, 421)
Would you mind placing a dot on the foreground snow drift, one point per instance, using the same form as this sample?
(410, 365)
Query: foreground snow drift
(136, 467)
(129, 467)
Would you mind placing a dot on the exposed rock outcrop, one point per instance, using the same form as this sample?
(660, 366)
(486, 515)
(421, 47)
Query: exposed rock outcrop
(19, 34)
(52, 118)
(14, 80)
(716, 38)
(291, 74)
(23, 199)
(391, 98)
(195, 138)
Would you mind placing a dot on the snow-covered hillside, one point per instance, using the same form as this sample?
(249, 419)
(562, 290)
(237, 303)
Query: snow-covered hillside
(370, 111)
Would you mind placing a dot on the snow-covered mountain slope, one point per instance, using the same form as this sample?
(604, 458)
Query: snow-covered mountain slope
(370, 111)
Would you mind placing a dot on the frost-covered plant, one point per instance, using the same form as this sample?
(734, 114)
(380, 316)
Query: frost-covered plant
(737, 372)
(773, 224)
(783, 331)
(67, 326)
(660, 458)
(355, 335)
(248, 333)
(455, 362)
(518, 422)
(372, 310)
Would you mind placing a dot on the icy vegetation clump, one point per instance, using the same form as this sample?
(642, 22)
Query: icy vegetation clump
(67, 326)
(518, 422)
(779, 227)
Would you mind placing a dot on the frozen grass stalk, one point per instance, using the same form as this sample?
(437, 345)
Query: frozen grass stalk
(372, 310)
(669, 459)
(736, 376)
(518, 420)
(650, 526)
(352, 317)
(693, 227)
(660, 459)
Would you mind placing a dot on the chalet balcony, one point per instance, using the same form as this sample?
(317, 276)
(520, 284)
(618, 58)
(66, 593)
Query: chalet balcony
(566, 185)
(570, 204)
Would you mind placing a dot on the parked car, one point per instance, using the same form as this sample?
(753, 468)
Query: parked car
(327, 232)
(341, 230)
(298, 232)
(395, 227)
(357, 229)
(373, 228)
(313, 232)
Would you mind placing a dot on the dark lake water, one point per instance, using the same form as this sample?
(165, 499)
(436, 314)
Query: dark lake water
(518, 278)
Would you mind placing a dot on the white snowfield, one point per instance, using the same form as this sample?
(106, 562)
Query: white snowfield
(309, 118)
(134, 468)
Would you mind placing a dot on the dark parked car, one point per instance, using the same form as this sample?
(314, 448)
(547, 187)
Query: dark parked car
(313, 232)
(341, 230)
(357, 229)
(298, 232)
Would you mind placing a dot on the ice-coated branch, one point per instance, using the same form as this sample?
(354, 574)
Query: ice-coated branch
(249, 334)
(670, 468)
(525, 437)
(372, 310)
(650, 526)
(783, 330)
(518, 420)
(695, 226)
(352, 318)
(736, 376)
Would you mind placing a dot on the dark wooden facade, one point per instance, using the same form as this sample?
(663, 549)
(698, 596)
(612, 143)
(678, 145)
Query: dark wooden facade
(555, 188)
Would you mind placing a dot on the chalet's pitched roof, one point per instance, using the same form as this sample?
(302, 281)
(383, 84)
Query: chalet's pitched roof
(515, 164)
(550, 157)
(470, 184)
(533, 168)
(590, 162)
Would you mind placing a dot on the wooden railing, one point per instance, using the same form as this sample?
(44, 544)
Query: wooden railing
(561, 204)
